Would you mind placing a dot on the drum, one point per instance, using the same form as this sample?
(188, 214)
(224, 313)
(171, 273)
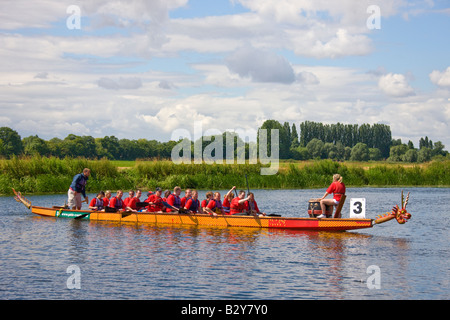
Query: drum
(315, 210)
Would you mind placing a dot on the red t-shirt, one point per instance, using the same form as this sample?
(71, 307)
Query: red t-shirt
(171, 200)
(236, 207)
(183, 201)
(337, 188)
(254, 206)
(205, 203)
(112, 203)
(157, 203)
(94, 202)
(105, 201)
(131, 202)
(226, 205)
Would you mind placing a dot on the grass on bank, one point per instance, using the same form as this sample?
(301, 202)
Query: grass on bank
(54, 175)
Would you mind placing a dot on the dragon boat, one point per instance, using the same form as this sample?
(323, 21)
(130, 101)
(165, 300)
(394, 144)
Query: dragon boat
(312, 223)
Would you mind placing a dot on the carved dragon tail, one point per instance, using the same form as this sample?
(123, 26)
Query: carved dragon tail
(19, 198)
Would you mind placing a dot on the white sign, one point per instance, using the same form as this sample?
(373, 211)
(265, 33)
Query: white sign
(358, 208)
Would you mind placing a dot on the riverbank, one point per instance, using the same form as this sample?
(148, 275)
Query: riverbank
(54, 175)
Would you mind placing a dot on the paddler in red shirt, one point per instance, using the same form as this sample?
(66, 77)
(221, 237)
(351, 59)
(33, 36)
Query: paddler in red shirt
(214, 206)
(193, 204)
(130, 202)
(174, 200)
(117, 202)
(227, 201)
(237, 205)
(107, 198)
(155, 202)
(209, 196)
(187, 196)
(252, 206)
(97, 203)
(337, 188)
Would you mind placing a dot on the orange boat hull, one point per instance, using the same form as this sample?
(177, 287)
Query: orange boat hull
(208, 220)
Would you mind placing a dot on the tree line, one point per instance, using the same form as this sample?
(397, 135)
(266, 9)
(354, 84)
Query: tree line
(350, 142)
(313, 140)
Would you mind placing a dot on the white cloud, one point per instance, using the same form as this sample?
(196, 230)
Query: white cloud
(441, 79)
(121, 83)
(420, 117)
(229, 71)
(31, 14)
(395, 85)
(260, 66)
(340, 45)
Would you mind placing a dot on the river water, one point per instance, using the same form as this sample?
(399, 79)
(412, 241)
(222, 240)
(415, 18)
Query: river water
(50, 258)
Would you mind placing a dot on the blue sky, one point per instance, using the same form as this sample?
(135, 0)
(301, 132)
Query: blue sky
(143, 69)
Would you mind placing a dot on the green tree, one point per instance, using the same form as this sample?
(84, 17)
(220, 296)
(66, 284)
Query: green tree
(300, 153)
(330, 150)
(315, 148)
(360, 152)
(375, 154)
(12, 143)
(425, 143)
(424, 154)
(54, 146)
(347, 153)
(438, 149)
(284, 142)
(397, 152)
(294, 137)
(111, 146)
(78, 146)
(410, 155)
(33, 145)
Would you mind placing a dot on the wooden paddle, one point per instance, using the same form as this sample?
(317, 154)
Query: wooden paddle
(248, 188)
(180, 210)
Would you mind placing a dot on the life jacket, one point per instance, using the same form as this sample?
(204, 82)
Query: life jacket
(226, 209)
(217, 206)
(119, 203)
(236, 207)
(157, 203)
(195, 205)
(176, 201)
(81, 183)
(99, 204)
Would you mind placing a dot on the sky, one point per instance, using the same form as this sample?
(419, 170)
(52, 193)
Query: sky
(147, 69)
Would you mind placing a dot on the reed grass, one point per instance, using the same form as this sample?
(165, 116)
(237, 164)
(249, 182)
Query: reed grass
(54, 175)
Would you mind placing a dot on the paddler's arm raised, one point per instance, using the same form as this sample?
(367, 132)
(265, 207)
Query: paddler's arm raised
(231, 191)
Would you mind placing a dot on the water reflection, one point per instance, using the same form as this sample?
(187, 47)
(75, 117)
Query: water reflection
(129, 261)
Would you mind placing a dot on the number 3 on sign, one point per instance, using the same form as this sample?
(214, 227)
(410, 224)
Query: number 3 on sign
(358, 208)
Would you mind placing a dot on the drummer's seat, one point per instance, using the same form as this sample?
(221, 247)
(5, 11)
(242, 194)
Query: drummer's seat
(337, 213)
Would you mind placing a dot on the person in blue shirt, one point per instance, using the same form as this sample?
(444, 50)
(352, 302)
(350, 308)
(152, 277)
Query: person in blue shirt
(78, 189)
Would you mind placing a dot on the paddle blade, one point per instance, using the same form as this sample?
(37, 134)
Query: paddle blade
(81, 216)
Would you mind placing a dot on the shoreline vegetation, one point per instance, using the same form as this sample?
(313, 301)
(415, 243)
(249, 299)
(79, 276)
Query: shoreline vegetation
(46, 175)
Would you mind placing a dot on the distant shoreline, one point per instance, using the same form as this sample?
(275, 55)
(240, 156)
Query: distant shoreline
(53, 175)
